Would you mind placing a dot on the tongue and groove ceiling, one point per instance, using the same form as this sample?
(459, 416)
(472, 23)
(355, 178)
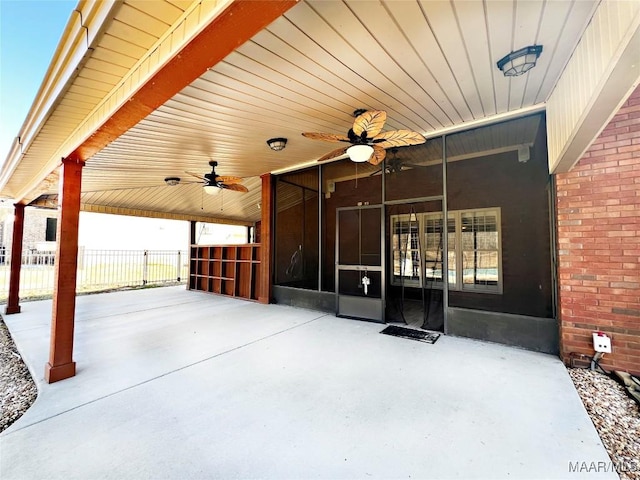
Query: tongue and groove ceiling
(431, 65)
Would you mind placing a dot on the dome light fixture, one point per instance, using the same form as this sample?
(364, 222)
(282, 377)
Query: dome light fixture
(520, 62)
(360, 153)
(211, 189)
(172, 181)
(277, 144)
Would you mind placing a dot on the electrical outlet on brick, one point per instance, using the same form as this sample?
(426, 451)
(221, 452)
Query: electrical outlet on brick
(601, 342)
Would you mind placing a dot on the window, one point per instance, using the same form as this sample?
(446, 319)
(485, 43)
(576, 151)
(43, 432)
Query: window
(50, 232)
(474, 250)
(406, 249)
(480, 249)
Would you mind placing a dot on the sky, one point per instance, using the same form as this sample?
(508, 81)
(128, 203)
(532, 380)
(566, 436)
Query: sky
(29, 34)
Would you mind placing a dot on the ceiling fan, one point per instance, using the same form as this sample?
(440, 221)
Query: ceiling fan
(396, 165)
(366, 138)
(214, 182)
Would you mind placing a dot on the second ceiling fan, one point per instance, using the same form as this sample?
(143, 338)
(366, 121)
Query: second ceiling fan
(213, 181)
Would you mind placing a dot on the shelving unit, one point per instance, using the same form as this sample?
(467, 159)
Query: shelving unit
(232, 270)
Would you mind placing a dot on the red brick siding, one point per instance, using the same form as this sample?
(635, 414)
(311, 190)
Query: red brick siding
(598, 222)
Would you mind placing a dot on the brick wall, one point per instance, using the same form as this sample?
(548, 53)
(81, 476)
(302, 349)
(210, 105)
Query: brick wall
(598, 220)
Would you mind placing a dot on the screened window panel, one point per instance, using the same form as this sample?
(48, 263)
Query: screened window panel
(473, 243)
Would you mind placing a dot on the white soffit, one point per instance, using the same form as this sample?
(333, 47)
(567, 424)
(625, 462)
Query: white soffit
(603, 71)
(430, 64)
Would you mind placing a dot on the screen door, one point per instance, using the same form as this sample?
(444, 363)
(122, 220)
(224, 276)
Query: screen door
(360, 263)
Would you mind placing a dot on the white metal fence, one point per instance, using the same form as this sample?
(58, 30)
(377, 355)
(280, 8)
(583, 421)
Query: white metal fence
(97, 270)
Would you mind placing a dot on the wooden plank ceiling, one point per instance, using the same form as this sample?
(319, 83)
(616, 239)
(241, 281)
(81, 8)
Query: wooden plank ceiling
(431, 65)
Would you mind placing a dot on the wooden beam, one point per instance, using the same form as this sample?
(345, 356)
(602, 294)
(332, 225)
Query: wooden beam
(266, 239)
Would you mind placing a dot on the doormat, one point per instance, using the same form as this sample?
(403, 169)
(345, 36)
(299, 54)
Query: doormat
(411, 333)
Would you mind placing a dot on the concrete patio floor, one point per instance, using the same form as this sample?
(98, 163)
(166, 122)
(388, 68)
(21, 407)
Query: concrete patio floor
(180, 384)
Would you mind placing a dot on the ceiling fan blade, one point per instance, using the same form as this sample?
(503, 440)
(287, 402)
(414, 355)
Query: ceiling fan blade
(413, 165)
(327, 137)
(195, 175)
(370, 122)
(236, 187)
(333, 154)
(398, 138)
(228, 179)
(377, 172)
(377, 156)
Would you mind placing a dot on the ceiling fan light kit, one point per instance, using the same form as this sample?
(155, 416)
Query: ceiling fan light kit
(360, 153)
(520, 62)
(210, 189)
(277, 144)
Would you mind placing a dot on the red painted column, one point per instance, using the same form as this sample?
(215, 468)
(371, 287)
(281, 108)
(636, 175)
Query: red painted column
(61, 364)
(266, 239)
(13, 302)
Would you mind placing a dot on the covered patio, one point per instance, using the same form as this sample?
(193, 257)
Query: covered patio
(181, 384)
(141, 98)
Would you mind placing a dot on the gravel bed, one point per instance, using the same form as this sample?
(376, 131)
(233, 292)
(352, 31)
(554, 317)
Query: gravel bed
(616, 417)
(17, 389)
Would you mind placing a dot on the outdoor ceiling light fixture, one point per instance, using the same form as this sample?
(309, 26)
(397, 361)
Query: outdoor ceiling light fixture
(172, 181)
(211, 189)
(521, 61)
(360, 153)
(277, 144)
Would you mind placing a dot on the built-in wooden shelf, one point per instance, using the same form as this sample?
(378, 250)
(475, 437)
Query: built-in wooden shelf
(232, 270)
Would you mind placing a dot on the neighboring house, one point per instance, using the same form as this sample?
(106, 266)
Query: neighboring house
(103, 232)
(40, 229)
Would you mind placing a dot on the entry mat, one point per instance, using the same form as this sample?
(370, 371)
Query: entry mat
(411, 333)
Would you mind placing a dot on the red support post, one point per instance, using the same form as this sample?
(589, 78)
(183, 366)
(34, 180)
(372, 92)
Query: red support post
(61, 364)
(13, 302)
(266, 239)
